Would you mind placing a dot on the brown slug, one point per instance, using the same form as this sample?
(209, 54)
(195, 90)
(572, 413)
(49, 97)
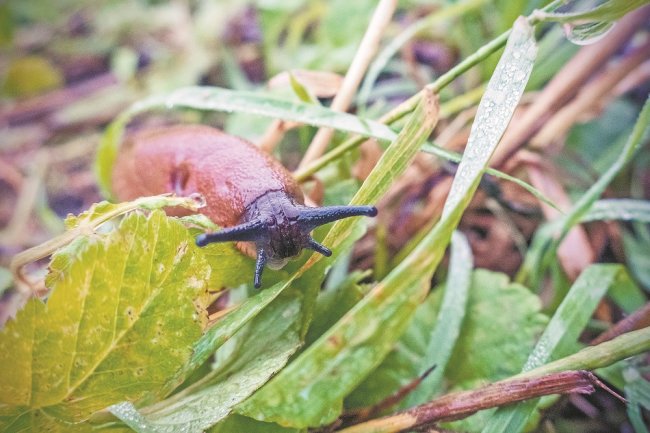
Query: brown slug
(246, 191)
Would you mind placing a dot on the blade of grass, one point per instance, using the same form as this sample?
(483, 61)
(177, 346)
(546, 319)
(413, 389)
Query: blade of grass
(452, 311)
(456, 157)
(304, 404)
(218, 99)
(618, 209)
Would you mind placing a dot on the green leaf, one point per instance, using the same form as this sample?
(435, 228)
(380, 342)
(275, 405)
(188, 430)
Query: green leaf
(301, 91)
(402, 363)
(603, 355)
(560, 336)
(495, 110)
(491, 346)
(637, 391)
(121, 319)
(232, 268)
(237, 423)
(618, 209)
(107, 150)
(588, 33)
(637, 253)
(17, 419)
(333, 303)
(30, 76)
(6, 25)
(265, 347)
(494, 345)
(6, 280)
(627, 294)
(225, 329)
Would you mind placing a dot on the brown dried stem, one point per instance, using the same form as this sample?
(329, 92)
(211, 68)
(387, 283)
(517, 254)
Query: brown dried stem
(462, 404)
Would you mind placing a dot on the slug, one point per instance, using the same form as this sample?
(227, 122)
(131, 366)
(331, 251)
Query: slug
(246, 191)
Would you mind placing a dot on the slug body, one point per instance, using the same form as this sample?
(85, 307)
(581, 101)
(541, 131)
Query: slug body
(246, 191)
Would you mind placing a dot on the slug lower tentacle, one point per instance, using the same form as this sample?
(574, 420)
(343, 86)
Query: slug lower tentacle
(246, 191)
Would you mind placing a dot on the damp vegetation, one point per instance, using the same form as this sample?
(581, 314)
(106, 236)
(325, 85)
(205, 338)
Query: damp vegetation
(503, 285)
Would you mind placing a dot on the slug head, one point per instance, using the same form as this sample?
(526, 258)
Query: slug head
(280, 228)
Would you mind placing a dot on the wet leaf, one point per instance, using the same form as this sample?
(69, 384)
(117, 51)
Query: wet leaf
(123, 314)
(588, 27)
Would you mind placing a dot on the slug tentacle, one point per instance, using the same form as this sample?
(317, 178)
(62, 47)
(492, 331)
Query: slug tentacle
(316, 216)
(319, 248)
(249, 231)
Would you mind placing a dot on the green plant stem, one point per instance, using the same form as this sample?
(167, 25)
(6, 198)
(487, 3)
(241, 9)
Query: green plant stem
(409, 105)
(602, 355)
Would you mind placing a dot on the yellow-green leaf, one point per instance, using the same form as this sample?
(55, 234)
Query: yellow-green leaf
(124, 312)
